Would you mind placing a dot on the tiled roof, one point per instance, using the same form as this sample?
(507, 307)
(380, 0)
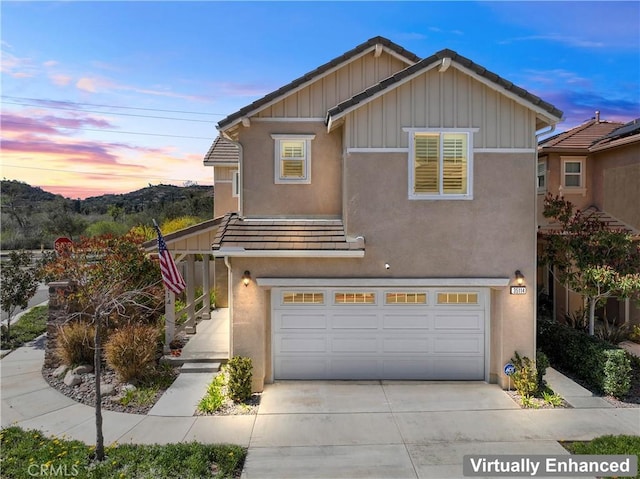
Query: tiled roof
(237, 234)
(428, 62)
(318, 71)
(581, 137)
(222, 151)
(611, 222)
(624, 132)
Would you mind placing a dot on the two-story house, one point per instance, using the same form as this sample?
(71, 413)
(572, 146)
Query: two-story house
(386, 205)
(596, 166)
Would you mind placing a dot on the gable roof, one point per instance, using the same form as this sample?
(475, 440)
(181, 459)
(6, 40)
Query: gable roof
(610, 222)
(551, 113)
(222, 153)
(394, 48)
(579, 138)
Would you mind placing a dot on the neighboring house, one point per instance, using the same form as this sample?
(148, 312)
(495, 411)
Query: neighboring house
(596, 166)
(385, 205)
(223, 156)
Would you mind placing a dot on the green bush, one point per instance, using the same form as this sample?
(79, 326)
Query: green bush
(131, 350)
(577, 353)
(215, 397)
(240, 374)
(525, 379)
(617, 372)
(75, 343)
(542, 363)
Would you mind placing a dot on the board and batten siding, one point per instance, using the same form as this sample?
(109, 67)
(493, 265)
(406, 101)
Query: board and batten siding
(451, 99)
(314, 100)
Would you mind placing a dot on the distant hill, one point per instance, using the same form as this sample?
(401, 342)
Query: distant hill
(32, 217)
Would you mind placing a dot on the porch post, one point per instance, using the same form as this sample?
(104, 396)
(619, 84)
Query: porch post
(206, 286)
(191, 289)
(169, 318)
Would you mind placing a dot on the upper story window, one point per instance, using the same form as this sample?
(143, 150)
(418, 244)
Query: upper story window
(440, 164)
(573, 175)
(542, 176)
(293, 158)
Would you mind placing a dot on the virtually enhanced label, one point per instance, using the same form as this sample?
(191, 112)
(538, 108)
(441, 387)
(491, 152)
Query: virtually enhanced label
(550, 466)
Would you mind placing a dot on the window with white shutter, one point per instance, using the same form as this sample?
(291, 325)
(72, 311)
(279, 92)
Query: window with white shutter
(441, 165)
(293, 158)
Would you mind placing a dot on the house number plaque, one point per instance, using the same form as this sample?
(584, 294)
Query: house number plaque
(518, 290)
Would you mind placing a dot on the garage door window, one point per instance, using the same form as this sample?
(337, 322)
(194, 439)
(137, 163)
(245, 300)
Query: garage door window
(302, 298)
(406, 298)
(355, 298)
(457, 298)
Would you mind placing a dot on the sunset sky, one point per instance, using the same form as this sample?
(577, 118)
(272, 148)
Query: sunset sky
(107, 97)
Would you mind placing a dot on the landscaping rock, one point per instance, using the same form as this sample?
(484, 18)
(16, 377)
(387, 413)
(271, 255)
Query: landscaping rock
(72, 379)
(83, 369)
(60, 371)
(129, 387)
(107, 389)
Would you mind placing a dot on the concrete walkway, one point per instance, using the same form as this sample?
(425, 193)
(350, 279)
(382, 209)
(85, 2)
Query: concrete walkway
(332, 429)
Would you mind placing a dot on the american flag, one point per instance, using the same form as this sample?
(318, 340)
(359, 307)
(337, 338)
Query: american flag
(170, 275)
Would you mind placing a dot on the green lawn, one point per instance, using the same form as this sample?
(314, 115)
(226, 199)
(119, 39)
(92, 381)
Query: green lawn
(608, 445)
(30, 325)
(25, 454)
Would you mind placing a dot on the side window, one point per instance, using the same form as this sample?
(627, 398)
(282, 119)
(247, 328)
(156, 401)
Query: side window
(542, 176)
(292, 162)
(235, 184)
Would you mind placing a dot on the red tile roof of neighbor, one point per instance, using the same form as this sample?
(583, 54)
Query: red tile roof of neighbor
(283, 234)
(611, 223)
(580, 137)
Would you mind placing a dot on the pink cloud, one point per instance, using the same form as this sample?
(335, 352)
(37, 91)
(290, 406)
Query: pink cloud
(48, 124)
(61, 80)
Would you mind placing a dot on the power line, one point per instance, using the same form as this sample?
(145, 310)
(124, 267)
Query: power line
(111, 113)
(114, 131)
(109, 106)
(96, 173)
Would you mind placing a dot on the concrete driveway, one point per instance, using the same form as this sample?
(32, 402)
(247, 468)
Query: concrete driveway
(405, 429)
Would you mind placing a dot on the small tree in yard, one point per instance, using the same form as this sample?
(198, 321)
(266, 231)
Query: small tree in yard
(589, 257)
(19, 284)
(113, 281)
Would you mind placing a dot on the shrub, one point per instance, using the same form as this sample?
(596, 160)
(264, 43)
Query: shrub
(542, 363)
(75, 343)
(578, 353)
(240, 374)
(617, 372)
(525, 379)
(215, 397)
(131, 350)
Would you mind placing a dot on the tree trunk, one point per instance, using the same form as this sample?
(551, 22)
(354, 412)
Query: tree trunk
(592, 316)
(96, 369)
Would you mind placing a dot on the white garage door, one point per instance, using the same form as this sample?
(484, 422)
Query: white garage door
(378, 333)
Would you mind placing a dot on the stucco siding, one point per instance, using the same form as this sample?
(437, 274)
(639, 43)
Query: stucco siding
(314, 100)
(441, 100)
(223, 199)
(262, 197)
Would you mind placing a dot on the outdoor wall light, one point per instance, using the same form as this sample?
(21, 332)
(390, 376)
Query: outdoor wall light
(246, 278)
(519, 278)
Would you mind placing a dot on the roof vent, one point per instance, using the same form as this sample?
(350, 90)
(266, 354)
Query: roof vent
(597, 116)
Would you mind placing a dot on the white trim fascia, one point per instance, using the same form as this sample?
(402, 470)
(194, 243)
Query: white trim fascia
(385, 282)
(264, 119)
(505, 150)
(615, 143)
(522, 101)
(275, 218)
(306, 84)
(224, 181)
(226, 164)
(284, 253)
(377, 150)
(435, 129)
